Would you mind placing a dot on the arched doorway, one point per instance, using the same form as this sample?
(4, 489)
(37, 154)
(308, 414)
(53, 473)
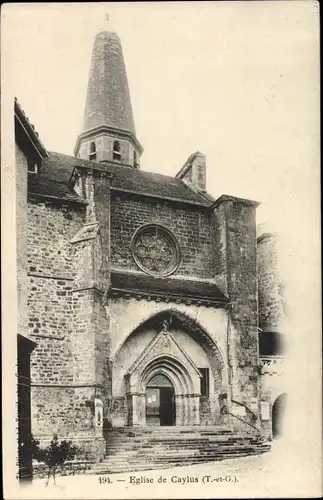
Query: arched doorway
(175, 345)
(278, 411)
(160, 401)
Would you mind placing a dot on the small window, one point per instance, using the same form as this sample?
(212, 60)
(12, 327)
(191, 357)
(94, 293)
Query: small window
(204, 381)
(92, 151)
(32, 168)
(135, 164)
(116, 151)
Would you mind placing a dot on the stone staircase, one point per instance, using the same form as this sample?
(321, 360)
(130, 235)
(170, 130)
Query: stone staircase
(147, 448)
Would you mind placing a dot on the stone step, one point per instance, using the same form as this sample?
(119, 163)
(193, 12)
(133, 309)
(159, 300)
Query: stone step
(118, 438)
(148, 448)
(179, 444)
(172, 450)
(169, 452)
(140, 431)
(177, 436)
(176, 453)
(126, 456)
(106, 467)
(183, 440)
(180, 439)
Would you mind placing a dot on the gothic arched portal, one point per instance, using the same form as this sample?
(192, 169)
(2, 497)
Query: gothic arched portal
(166, 345)
(180, 320)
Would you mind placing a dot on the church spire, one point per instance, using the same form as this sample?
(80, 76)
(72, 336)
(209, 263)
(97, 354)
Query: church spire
(108, 112)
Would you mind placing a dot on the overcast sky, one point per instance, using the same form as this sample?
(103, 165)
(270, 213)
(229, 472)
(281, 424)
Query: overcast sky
(234, 80)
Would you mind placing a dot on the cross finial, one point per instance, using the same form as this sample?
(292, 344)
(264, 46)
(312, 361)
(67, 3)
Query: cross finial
(106, 23)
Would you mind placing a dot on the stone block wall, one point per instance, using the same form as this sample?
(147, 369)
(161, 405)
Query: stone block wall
(51, 269)
(21, 241)
(235, 248)
(190, 226)
(270, 285)
(193, 172)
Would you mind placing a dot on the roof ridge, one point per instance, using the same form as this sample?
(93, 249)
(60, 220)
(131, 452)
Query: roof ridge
(139, 182)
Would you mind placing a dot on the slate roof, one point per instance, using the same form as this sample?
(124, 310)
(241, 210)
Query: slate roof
(23, 127)
(49, 188)
(57, 169)
(108, 97)
(171, 288)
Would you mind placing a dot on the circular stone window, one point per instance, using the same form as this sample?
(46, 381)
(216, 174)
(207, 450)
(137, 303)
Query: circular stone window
(155, 250)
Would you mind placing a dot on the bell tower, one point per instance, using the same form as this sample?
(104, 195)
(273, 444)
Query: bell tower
(108, 134)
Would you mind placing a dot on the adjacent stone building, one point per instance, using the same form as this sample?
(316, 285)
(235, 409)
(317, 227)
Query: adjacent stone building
(29, 153)
(273, 312)
(143, 290)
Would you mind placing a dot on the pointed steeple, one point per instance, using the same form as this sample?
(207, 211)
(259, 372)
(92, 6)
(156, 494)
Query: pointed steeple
(108, 128)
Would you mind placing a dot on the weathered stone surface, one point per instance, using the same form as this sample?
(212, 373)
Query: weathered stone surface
(190, 226)
(270, 284)
(236, 272)
(21, 241)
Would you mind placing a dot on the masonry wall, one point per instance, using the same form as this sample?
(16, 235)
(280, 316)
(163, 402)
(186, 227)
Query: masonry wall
(51, 270)
(21, 241)
(190, 226)
(270, 286)
(235, 270)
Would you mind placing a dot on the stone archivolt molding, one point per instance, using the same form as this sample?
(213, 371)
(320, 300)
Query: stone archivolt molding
(200, 335)
(155, 250)
(164, 356)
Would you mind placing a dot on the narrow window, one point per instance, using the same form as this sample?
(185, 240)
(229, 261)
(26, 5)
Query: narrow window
(32, 168)
(204, 381)
(92, 151)
(135, 165)
(116, 151)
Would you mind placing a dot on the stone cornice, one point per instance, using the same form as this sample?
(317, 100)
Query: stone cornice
(166, 198)
(225, 197)
(166, 297)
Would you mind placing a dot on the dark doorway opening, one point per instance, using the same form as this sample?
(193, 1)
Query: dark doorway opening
(278, 411)
(167, 414)
(160, 401)
(25, 348)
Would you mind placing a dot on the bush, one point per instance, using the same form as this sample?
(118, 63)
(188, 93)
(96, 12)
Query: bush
(54, 455)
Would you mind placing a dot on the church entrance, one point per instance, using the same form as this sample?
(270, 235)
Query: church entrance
(160, 401)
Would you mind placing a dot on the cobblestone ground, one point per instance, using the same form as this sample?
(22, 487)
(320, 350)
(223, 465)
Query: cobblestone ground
(278, 473)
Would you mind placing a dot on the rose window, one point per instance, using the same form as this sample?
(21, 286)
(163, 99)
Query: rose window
(155, 250)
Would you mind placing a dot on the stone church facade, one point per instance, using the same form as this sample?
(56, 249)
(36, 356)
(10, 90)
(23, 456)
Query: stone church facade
(143, 290)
